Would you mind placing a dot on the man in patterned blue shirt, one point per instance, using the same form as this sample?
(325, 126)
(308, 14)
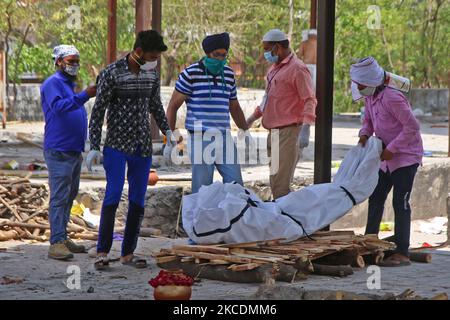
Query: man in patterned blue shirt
(130, 90)
(209, 89)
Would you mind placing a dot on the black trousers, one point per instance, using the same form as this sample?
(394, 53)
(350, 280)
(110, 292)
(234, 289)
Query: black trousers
(402, 181)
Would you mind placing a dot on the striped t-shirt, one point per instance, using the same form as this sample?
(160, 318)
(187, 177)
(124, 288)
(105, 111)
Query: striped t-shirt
(208, 102)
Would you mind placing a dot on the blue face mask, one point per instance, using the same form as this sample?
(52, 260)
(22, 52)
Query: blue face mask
(215, 66)
(269, 57)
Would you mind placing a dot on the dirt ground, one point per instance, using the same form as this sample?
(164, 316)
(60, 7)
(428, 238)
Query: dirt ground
(44, 278)
(47, 279)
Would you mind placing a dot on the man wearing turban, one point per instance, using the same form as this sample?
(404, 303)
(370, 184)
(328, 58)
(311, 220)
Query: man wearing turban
(209, 89)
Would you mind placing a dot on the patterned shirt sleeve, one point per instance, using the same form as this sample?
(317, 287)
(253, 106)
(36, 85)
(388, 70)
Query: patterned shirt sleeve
(157, 109)
(105, 85)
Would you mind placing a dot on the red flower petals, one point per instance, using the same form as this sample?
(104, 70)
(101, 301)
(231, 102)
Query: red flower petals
(166, 278)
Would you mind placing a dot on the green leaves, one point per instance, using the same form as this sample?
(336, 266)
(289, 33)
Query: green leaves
(412, 35)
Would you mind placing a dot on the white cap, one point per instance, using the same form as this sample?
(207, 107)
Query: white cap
(274, 35)
(304, 35)
(313, 32)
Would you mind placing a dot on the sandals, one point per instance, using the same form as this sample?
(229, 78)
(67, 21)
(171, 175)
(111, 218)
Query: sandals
(101, 263)
(138, 263)
(394, 263)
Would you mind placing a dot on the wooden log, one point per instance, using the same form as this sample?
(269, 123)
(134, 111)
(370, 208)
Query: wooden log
(31, 236)
(78, 221)
(14, 201)
(374, 258)
(14, 211)
(40, 211)
(5, 222)
(346, 257)
(21, 232)
(30, 195)
(420, 257)
(8, 235)
(440, 296)
(23, 215)
(85, 236)
(36, 232)
(221, 273)
(303, 265)
(334, 271)
(358, 262)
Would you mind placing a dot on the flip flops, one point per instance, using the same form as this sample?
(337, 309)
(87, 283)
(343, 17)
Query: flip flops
(138, 263)
(101, 263)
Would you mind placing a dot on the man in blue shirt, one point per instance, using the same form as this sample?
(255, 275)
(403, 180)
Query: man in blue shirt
(64, 139)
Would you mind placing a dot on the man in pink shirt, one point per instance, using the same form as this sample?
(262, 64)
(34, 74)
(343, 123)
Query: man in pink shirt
(388, 115)
(287, 110)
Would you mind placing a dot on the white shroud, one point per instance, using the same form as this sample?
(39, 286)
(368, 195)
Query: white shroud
(230, 213)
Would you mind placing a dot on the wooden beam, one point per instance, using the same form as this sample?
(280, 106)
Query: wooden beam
(143, 15)
(313, 15)
(111, 50)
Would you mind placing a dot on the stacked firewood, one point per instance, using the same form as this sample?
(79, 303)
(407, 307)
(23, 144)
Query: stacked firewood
(24, 212)
(333, 253)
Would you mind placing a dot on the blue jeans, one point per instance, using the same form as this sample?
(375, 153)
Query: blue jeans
(115, 163)
(217, 156)
(64, 179)
(402, 180)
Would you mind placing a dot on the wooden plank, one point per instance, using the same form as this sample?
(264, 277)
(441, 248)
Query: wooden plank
(187, 259)
(333, 233)
(211, 256)
(252, 244)
(198, 248)
(266, 254)
(258, 258)
(218, 262)
(166, 259)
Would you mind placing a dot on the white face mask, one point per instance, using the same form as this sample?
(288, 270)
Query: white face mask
(367, 91)
(149, 65)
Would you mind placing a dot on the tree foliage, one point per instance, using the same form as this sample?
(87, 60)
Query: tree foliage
(408, 37)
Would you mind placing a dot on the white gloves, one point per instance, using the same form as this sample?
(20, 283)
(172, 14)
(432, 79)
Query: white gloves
(93, 157)
(303, 138)
(170, 144)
